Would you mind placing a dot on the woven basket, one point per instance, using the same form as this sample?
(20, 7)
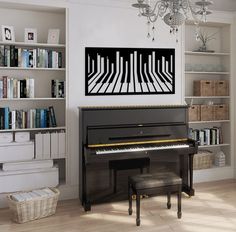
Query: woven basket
(203, 160)
(33, 209)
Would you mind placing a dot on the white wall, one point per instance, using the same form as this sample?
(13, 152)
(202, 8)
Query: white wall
(106, 26)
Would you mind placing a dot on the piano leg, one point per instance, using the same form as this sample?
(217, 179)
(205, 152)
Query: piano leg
(191, 190)
(186, 173)
(87, 206)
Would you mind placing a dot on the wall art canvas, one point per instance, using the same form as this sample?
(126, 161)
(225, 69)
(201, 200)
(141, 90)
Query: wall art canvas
(129, 71)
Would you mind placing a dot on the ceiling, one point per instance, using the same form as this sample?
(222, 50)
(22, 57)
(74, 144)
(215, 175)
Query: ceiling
(224, 5)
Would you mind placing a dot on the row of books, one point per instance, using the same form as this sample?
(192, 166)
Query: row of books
(15, 88)
(58, 89)
(32, 118)
(207, 136)
(10, 56)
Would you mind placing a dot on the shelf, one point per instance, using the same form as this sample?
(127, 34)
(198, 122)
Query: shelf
(207, 97)
(35, 129)
(33, 69)
(217, 145)
(23, 44)
(32, 99)
(206, 53)
(208, 73)
(216, 121)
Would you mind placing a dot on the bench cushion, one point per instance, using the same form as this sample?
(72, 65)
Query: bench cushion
(154, 180)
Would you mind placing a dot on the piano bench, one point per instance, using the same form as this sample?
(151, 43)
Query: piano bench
(126, 164)
(154, 184)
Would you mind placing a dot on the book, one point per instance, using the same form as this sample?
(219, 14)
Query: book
(52, 116)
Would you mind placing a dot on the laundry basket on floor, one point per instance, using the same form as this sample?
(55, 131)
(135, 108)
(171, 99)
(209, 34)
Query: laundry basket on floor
(32, 205)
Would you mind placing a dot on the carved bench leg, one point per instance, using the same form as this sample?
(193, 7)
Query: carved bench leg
(179, 195)
(130, 199)
(138, 209)
(168, 200)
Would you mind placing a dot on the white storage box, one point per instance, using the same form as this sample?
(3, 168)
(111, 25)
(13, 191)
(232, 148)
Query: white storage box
(22, 137)
(24, 180)
(16, 151)
(26, 165)
(6, 138)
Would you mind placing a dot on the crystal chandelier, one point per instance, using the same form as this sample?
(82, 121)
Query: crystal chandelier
(173, 12)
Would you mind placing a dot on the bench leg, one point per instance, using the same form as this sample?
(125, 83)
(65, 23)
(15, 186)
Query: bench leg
(130, 199)
(138, 209)
(179, 195)
(168, 200)
(114, 180)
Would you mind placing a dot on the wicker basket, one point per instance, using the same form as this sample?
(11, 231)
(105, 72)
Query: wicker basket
(203, 160)
(203, 88)
(37, 208)
(194, 113)
(207, 112)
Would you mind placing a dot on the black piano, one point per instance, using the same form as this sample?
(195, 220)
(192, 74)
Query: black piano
(158, 134)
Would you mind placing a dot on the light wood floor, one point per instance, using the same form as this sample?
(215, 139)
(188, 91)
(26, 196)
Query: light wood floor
(212, 209)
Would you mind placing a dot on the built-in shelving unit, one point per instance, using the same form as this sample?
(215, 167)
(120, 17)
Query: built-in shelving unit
(213, 65)
(35, 17)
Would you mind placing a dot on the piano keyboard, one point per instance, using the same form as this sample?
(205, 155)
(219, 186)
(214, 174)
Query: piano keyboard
(138, 149)
(132, 71)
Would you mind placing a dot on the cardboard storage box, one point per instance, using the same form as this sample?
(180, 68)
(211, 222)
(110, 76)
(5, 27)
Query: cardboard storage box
(203, 88)
(207, 112)
(194, 113)
(221, 88)
(221, 112)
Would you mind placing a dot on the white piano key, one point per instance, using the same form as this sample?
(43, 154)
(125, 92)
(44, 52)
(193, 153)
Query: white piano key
(168, 73)
(104, 85)
(111, 86)
(131, 84)
(143, 84)
(125, 84)
(150, 85)
(118, 81)
(108, 80)
(94, 87)
(163, 84)
(155, 83)
(98, 70)
(93, 69)
(139, 149)
(164, 67)
(136, 81)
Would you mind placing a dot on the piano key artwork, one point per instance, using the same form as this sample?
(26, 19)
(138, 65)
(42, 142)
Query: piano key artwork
(129, 71)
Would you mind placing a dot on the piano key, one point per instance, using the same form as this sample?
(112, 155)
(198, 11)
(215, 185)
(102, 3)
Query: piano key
(131, 79)
(143, 83)
(113, 81)
(142, 148)
(118, 81)
(150, 84)
(94, 86)
(136, 80)
(124, 86)
(98, 70)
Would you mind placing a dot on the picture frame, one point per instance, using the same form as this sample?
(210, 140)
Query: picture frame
(8, 34)
(30, 35)
(53, 36)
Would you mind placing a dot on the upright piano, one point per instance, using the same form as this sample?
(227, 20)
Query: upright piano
(110, 134)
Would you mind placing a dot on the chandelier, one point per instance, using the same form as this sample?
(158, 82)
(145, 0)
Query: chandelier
(173, 12)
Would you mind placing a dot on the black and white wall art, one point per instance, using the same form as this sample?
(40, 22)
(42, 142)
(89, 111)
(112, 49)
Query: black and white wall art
(126, 71)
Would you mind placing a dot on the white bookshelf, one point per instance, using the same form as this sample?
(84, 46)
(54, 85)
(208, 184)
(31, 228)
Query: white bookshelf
(42, 19)
(211, 66)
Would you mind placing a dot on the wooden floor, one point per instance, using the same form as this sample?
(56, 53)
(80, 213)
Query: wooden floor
(212, 209)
